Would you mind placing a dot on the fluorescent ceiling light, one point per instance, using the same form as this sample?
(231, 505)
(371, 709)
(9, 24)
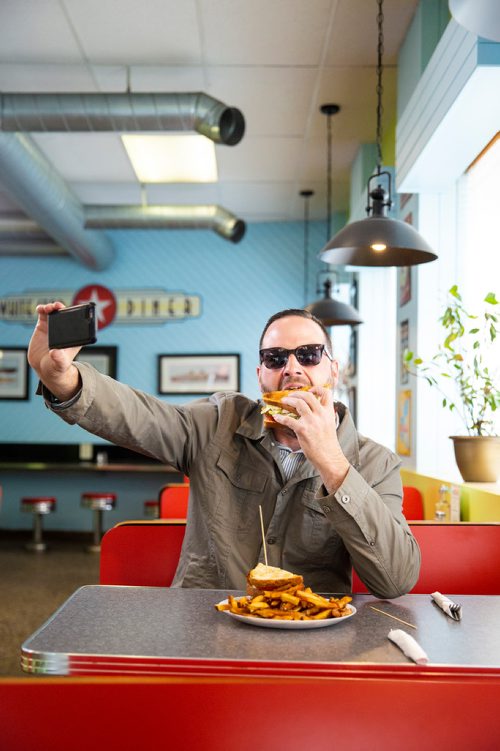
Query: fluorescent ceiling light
(172, 158)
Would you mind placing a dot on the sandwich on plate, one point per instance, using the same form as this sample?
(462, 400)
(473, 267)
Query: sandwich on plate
(271, 578)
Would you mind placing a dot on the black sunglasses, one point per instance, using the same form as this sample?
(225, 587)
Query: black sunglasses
(275, 358)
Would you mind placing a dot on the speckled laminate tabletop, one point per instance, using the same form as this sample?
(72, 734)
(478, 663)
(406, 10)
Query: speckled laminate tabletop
(143, 630)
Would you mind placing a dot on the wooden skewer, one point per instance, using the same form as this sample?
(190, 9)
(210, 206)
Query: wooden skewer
(393, 616)
(263, 535)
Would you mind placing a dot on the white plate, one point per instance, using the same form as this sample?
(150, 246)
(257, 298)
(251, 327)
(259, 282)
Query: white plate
(277, 623)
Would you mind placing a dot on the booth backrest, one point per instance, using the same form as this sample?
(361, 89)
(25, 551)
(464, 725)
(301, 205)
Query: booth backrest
(456, 559)
(173, 501)
(413, 503)
(142, 554)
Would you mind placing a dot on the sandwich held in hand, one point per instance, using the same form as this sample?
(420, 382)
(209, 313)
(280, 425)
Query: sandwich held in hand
(282, 595)
(273, 405)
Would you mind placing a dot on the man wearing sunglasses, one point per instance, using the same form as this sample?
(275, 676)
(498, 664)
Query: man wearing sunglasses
(330, 498)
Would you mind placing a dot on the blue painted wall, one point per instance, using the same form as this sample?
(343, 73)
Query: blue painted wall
(240, 286)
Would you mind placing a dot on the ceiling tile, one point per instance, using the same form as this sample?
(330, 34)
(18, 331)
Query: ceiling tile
(355, 32)
(108, 194)
(87, 156)
(168, 79)
(149, 31)
(36, 32)
(282, 32)
(259, 159)
(274, 101)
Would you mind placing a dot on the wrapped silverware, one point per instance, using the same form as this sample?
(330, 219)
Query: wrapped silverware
(408, 645)
(448, 606)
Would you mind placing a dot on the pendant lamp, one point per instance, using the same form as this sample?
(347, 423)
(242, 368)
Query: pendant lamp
(330, 312)
(378, 240)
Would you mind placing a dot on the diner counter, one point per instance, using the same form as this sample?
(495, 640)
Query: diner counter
(84, 467)
(168, 631)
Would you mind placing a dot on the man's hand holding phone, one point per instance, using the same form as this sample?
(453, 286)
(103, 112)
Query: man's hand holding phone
(54, 366)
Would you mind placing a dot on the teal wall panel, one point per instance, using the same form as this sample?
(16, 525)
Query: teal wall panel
(240, 287)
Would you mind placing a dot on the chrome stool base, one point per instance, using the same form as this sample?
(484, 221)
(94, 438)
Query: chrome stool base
(38, 506)
(97, 503)
(36, 547)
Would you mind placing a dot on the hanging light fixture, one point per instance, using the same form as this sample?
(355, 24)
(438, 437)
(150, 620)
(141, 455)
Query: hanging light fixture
(306, 195)
(378, 240)
(330, 312)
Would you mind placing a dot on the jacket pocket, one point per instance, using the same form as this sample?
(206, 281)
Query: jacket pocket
(240, 490)
(320, 539)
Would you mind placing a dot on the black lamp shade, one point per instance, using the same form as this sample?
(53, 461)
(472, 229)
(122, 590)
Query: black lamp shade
(334, 313)
(352, 245)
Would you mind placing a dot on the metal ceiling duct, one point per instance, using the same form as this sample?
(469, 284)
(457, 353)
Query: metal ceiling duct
(213, 217)
(21, 236)
(44, 196)
(126, 112)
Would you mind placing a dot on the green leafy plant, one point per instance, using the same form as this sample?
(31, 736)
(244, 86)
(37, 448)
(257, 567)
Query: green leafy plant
(462, 359)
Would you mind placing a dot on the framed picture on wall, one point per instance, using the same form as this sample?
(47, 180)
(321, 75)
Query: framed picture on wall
(404, 285)
(14, 373)
(104, 359)
(198, 374)
(404, 423)
(403, 346)
(353, 402)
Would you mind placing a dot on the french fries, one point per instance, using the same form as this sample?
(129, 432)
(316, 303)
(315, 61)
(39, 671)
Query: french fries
(292, 604)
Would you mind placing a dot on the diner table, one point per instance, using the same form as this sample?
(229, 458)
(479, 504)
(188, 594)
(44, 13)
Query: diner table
(156, 631)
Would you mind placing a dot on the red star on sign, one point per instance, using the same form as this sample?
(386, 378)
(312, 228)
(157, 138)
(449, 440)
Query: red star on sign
(104, 299)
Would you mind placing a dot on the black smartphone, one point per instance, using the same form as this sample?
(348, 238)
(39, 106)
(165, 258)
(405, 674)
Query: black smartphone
(73, 326)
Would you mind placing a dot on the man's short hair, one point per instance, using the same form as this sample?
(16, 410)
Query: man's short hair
(292, 312)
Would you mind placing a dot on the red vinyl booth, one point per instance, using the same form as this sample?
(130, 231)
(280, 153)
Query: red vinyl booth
(413, 504)
(456, 558)
(173, 499)
(421, 711)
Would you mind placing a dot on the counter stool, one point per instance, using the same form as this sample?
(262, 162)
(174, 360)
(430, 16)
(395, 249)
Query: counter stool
(38, 506)
(152, 509)
(98, 502)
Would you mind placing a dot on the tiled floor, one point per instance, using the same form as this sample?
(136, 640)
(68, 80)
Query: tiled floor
(34, 585)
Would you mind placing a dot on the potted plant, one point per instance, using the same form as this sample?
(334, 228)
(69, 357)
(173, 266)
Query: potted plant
(467, 364)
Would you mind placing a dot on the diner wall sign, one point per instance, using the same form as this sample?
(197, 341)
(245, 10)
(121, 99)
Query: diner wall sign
(14, 373)
(129, 306)
(404, 423)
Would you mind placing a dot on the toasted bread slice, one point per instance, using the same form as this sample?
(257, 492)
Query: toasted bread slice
(270, 577)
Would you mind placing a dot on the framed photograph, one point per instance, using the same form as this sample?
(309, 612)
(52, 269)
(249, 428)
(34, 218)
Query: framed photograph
(404, 423)
(104, 359)
(353, 352)
(14, 373)
(198, 374)
(353, 402)
(403, 346)
(404, 285)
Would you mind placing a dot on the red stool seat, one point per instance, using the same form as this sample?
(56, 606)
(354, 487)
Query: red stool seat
(152, 509)
(98, 503)
(38, 506)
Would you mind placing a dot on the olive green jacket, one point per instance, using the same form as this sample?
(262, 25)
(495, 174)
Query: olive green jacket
(234, 467)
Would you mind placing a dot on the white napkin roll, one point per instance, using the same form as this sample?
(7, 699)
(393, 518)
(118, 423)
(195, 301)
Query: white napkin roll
(408, 646)
(445, 604)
